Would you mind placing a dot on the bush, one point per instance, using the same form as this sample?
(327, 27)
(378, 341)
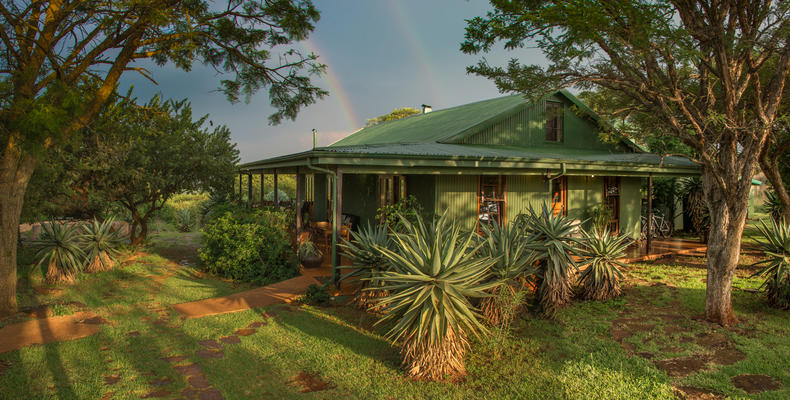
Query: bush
(408, 207)
(184, 222)
(600, 251)
(316, 294)
(184, 210)
(101, 244)
(367, 262)
(249, 245)
(776, 246)
(60, 250)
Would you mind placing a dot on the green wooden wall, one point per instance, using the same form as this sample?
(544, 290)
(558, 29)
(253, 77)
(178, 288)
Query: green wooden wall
(526, 128)
(631, 206)
(457, 195)
(423, 187)
(320, 197)
(360, 196)
(523, 191)
(584, 193)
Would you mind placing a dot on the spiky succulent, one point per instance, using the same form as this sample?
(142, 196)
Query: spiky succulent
(776, 246)
(59, 249)
(550, 237)
(434, 271)
(367, 262)
(100, 242)
(600, 251)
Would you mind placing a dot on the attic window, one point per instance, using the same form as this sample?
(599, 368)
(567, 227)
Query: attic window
(553, 121)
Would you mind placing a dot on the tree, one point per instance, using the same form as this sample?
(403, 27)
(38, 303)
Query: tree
(60, 61)
(775, 158)
(140, 156)
(710, 74)
(397, 113)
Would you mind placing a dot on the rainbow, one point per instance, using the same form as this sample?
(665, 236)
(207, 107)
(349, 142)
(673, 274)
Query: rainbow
(427, 71)
(335, 87)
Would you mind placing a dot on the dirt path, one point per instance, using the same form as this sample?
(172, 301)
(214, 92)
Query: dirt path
(48, 330)
(280, 292)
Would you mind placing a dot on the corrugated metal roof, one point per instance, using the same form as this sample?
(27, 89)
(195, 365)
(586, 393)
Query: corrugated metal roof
(434, 126)
(508, 152)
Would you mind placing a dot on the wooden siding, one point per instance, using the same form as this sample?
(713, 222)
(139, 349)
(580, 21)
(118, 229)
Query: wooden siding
(423, 187)
(526, 128)
(631, 206)
(523, 191)
(457, 196)
(584, 193)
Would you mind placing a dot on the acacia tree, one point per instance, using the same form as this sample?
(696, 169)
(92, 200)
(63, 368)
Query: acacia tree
(139, 156)
(397, 113)
(50, 50)
(700, 69)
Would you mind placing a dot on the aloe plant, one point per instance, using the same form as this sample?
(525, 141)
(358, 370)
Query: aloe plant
(515, 261)
(59, 250)
(600, 252)
(549, 236)
(367, 262)
(101, 245)
(433, 274)
(776, 246)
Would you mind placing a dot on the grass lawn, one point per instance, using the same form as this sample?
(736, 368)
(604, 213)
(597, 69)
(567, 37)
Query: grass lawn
(642, 345)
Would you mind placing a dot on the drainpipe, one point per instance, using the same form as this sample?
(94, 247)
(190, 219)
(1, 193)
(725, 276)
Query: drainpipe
(334, 215)
(563, 169)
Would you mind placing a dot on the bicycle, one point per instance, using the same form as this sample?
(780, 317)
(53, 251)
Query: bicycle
(659, 227)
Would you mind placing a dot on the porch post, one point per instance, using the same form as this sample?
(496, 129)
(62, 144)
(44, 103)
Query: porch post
(649, 211)
(276, 194)
(249, 190)
(240, 174)
(299, 195)
(337, 222)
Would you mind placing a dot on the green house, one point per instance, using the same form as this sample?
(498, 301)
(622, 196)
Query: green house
(481, 162)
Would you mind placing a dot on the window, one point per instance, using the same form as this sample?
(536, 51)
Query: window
(553, 121)
(392, 188)
(559, 196)
(491, 200)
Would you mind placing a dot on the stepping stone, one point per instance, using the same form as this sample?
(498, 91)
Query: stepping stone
(189, 369)
(682, 366)
(190, 393)
(210, 353)
(230, 339)
(256, 324)
(112, 379)
(695, 393)
(108, 396)
(755, 383)
(210, 343)
(97, 320)
(198, 381)
(159, 393)
(133, 333)
(104, 348)
(727, 356)
(173, 359)
(244, 332)
(211, 394)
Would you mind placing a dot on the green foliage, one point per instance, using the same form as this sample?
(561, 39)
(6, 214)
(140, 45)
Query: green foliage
(392, 214)
(549, 236)
(195, 203)
(249, 245)
(600, 216)
(282, 196)
(776, 246)
(691, 190)
(397, 113)
(101, 243)
(433, 275)
(600, 251)
(59, 249)
(184, 221)
(317, 294)
(773, 206)
(308, 249)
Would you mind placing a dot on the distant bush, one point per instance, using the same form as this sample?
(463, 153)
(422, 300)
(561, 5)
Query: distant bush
(249, 245)
(184, 210)
(316, 294)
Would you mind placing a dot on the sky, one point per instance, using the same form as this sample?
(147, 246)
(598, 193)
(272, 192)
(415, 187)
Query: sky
(380, 55)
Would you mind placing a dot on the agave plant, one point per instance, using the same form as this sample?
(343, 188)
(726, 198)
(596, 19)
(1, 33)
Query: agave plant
(777, 267)
(600, 251)
(691, 189)
(549, 236)
(184, 221)
(367, 263)
(59, 249)
(100, 244)
(433, 275)
(773, 206)
(506, 244)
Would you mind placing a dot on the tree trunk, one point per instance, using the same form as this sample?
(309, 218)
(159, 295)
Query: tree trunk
(136, 238)
(771, 170)
(15, 172)
(727, 208)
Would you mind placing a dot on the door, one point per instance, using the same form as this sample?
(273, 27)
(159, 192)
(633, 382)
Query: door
(611, 200)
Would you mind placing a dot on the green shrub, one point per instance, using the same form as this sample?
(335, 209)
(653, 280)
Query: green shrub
(776, 247)
(249, 245)
(101, 244)
(184, 210)
(367, 262)
(600, 251)
(408, 207)
(60, 249)
(316, 294)
(184, 220)
(773, 206)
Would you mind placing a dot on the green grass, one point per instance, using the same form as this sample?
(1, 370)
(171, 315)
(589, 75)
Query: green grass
(572, 357)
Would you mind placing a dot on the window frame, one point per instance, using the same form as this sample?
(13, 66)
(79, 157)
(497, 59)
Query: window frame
(555, 112)
(501, 200)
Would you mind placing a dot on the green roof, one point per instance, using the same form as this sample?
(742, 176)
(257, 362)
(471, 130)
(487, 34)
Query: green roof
(434, 126)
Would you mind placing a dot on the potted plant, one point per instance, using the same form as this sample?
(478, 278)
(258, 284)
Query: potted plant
(310, 255)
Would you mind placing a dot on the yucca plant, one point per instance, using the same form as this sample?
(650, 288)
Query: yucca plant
(776, 245)
(59, 249)
(367, 262)
(101, 244)
(433, 275)
(508, 246)
(549, 236)
(600, 251)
